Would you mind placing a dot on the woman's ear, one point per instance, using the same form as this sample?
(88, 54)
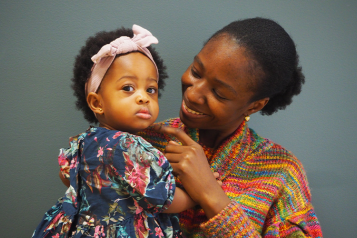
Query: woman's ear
(257, 106)
(94, 103)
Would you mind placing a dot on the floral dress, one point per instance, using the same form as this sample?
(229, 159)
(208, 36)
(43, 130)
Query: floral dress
(119, 185)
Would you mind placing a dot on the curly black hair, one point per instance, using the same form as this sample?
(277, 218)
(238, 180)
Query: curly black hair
(83, 64)
(275, 62)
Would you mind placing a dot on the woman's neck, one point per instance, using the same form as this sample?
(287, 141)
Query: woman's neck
(212, 138)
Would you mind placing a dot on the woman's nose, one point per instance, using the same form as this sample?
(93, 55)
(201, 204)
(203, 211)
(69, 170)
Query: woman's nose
(195, 92)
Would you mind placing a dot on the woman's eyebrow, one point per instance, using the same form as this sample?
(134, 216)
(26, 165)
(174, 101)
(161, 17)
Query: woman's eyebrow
(229, 87)
(197, 59)
(225, 85)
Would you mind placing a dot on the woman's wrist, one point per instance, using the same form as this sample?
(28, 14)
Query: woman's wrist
(214, 202)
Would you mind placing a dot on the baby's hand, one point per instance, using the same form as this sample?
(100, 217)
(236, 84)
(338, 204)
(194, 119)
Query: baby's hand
(216, 175)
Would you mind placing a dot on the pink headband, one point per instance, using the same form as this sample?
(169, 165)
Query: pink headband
(104, 58)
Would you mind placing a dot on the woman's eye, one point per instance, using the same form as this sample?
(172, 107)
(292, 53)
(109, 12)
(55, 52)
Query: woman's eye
(217, 95)
(151, 90)
(194, 73)
(128, 88)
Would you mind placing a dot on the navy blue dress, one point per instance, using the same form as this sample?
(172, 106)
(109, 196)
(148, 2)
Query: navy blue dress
(119, 185)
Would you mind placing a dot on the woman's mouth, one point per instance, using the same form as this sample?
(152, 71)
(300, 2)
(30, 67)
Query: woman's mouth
(190, 110)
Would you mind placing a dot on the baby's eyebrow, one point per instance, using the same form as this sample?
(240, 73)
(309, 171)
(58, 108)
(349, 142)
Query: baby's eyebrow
(153, 79)
(135, 78)
(127, 76)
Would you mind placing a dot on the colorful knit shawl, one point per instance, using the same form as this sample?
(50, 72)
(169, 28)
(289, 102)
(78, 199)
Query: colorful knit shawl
(266, 184)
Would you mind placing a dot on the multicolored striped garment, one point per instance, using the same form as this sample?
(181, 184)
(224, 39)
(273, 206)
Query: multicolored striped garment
(266, 184)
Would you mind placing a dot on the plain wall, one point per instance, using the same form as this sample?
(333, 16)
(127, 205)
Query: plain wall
(38, 43)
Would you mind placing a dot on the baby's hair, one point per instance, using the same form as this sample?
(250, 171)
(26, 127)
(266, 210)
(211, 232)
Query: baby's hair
(275, 62)
(83, 65)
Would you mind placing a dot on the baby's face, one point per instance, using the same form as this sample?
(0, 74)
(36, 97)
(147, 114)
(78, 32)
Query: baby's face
(129, 94)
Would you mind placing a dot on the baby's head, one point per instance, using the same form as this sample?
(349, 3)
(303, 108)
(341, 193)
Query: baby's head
(126, 98)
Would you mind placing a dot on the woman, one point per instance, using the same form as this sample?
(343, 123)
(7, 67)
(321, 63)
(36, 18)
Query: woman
(246, 67)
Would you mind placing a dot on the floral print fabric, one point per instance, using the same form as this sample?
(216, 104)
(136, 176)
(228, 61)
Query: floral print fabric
(119, 185)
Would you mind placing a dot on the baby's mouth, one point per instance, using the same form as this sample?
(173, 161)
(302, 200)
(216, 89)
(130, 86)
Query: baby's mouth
(144, 113)
(190, 110)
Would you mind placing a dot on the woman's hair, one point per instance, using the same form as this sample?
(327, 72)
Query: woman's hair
(83, 65)
(274, 61)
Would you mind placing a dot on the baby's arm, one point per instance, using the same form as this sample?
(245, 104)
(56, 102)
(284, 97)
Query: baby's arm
(180, 203)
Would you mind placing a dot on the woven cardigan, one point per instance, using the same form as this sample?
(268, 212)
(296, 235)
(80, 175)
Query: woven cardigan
(266, 184)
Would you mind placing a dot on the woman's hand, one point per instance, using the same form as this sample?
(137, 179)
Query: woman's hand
(190, 165)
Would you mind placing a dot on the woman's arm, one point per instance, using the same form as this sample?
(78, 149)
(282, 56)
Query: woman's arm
(227, 218)
(206, 192)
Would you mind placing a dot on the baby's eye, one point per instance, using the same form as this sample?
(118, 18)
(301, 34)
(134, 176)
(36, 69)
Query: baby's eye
(128, 88)
(151, 90)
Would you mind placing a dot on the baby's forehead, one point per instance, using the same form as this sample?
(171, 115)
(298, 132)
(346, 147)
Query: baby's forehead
(135, 68)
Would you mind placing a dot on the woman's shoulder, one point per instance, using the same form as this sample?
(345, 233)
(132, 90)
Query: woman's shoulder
(260, 144)
(274, 154)
(279, 164)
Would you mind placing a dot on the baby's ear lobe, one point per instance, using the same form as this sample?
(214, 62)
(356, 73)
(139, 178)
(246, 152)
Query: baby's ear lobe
(94, 103)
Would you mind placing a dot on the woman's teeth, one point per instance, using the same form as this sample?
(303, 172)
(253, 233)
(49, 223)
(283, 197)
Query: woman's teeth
(191, 111)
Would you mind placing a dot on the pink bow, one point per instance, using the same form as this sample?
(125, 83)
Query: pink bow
(104, 58)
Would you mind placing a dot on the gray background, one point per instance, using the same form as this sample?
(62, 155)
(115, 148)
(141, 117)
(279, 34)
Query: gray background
(38, 43)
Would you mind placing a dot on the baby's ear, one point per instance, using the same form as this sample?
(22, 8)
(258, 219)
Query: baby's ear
(94, 103)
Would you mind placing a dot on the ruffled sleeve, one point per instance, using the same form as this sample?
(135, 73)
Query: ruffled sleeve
(64, 160)
(65, 156)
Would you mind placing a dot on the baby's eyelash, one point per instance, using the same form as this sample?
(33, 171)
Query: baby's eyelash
(152, 89)
(128, 88)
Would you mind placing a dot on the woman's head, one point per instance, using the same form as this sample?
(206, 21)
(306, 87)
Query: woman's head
(247, 66)
(274, 60)
(83, 65)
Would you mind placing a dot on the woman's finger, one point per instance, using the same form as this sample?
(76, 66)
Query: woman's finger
(175, 148)
(176, 132)
(175, 169)
(173, 157)
(171, 142)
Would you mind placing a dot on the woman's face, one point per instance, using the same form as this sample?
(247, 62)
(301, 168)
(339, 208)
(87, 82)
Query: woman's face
(215, 92)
